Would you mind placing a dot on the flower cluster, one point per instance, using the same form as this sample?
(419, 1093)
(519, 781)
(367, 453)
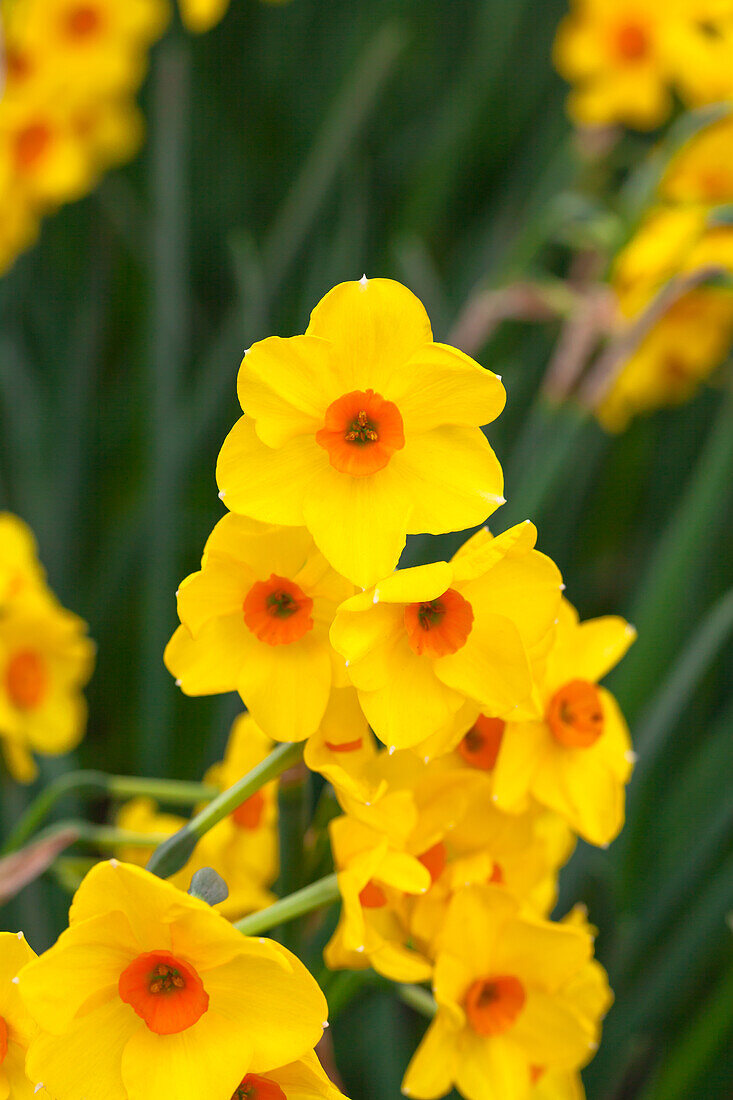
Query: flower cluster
(45, 659)
(627, 59)
(498, 745)
(243, 847)
(67, 113)
(150, 992)
(686, 233)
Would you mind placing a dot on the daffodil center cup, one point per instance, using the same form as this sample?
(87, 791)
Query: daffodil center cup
(164, 991)
(480, 746)
(372, 896)
(575, 715)
(277, 611)
(3, 1040)
(493, 1004)
(434, 861)
(83, 21)
(439, 627)
(631, 42)
(249, 814)
(254, 1087)
(26, 679)
(345, 746)
(361, 431)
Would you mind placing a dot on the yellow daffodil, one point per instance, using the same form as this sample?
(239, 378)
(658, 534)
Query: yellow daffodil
(694, 335)
(255, 620)
(426, 640)
(363, 430)
(151, 992)
(702, 171)
(16, 1025)
(575, 756)
(45, 661)
(516, 994)
(616, 54)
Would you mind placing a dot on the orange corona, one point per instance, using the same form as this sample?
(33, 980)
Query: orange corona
(439, 627)
(277, 611)
(26, 679)
(575, 715)
(165, 992)
(254, 1087)
(361, 432)
(493, 1004)
(480, 746)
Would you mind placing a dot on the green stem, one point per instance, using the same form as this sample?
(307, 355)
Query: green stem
(177, 850)
(100, 784)
(316, 896)
(102, 836)
(419, 998)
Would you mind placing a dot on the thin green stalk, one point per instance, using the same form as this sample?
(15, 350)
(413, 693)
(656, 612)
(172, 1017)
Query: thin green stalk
(95, 784)
(102, 836)
(177, 850)
(316, 896)
(419, 998)
(293, 821)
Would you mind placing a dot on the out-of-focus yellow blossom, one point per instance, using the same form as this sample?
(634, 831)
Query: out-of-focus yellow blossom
(428, 644)
(46, 659)
(575, 756)
(16, 1025)
(67, 112)
(516, 996)
(693, 337)
(255, 619)
(243, 848)
(625, 58)
(702, 171)
(169, 997)
(363, 430)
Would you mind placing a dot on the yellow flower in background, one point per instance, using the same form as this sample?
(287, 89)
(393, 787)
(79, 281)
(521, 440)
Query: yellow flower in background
(516, 996)
(695, 334)
(255, 620)
(615, 54)
(575, 756)
(243, 848)
(625, 58)
(67, 112)
(201, 15)
(426, 641)
(343, 747)
(166, 994)
(46, 659)
(363, 430)
(16, 1024)
(702, 171)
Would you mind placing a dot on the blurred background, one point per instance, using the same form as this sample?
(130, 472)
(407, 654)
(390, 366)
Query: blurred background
(290, 148)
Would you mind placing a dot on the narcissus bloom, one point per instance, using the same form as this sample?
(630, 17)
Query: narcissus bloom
(243, 848)
(169, 997)
(363, 430)
(255, 619)
(702, 171)
(575, 756)
(693, 337)
(302, 1080)
(616, 55)
(515, 995)
(45, 661)
(20, 570)
(16, 1024)
(427, 641)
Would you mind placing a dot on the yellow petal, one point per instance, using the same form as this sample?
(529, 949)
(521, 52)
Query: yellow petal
(412, 705)
(210, 663)
(441, 385)
(286, 386)
(267, 483)
(286, 687)
(375, 325)
(432, 1070)
(451, 477)
(546, 954)
(552, 1032)
(491, 668)
(491, 1067)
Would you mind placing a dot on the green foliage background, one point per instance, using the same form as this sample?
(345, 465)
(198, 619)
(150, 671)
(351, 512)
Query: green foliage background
(422, 140)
